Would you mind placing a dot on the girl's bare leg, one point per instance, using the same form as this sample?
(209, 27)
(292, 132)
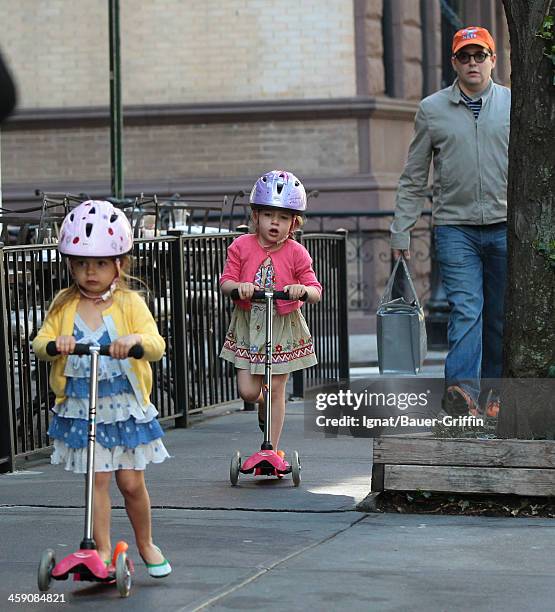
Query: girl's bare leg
(132, 485)
(249, 385)
(250, 389)
(102, 514)
(261, 408)
(279, 382)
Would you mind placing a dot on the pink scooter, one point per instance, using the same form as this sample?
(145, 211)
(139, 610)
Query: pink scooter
(266, 462)
(86, 564)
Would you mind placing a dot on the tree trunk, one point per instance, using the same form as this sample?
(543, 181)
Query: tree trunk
(530, 300)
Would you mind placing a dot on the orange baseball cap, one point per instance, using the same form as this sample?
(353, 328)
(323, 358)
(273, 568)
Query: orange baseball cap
(473, 35)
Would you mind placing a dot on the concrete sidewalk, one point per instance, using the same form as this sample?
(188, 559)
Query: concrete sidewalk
(267, 545)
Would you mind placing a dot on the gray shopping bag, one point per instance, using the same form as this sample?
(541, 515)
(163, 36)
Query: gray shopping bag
(401, 329)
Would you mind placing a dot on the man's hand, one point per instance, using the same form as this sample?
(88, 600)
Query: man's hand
(398, 252)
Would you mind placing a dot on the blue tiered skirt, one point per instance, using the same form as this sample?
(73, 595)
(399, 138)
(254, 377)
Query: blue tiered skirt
(128, 437)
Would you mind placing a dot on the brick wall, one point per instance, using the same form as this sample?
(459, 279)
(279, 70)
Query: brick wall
(169, 153)
(58, 51)
(179, 52)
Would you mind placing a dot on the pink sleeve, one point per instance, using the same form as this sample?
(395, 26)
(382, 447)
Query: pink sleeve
(232, 267)
(304, 271)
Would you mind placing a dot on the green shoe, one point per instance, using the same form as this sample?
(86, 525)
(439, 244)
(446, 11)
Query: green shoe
(158, 570)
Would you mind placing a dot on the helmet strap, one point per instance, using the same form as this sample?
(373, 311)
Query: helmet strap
(290, 232)
(104, 297)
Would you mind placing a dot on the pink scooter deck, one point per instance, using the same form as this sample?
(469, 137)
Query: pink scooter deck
(265, 456)
(88, 558)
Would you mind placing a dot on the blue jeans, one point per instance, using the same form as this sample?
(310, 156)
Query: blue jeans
(473, 265)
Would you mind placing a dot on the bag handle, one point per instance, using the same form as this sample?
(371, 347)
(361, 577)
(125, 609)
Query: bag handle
(386, 297)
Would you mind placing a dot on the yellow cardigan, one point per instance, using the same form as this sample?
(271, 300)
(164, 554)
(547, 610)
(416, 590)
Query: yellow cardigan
(128, 314)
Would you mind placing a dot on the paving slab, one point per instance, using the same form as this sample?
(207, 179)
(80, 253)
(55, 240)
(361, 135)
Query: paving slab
(421, 562)
(266, 545)
(335, 471)
(279, 561)
(211, 552)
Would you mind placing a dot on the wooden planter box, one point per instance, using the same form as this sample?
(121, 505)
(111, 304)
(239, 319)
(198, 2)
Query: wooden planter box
(517, 467)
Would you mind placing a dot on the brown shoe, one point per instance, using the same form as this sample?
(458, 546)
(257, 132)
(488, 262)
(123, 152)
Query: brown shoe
(457, 402)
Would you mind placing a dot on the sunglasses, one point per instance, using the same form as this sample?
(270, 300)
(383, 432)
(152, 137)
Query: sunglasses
(463, 57)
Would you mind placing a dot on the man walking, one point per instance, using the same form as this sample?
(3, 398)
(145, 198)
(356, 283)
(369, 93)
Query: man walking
(464, 129)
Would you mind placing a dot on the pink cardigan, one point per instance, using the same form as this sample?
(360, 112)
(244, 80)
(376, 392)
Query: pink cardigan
(292, 265)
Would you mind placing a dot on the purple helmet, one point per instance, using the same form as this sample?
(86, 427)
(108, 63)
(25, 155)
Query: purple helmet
(279, 189)
(95, 228)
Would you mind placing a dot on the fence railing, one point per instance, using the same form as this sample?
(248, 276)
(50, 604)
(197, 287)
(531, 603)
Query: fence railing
(368, 242)
(182, 275)
(327, 320)
(369, 253)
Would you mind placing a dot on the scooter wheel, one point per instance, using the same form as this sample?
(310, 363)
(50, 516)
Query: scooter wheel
(295, 468)
(46, 565)
(234, 468)
(123, 575)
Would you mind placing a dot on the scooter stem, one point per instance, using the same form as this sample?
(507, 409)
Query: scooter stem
(267, 444)
(88, 542)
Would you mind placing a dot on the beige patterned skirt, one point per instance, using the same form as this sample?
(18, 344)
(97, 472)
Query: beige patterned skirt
(245, 341)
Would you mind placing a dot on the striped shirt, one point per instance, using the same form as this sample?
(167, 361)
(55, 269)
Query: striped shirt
(474, 105)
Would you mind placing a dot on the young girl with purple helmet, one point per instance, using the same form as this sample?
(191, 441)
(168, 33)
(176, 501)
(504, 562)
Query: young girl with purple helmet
(267, 258)
(100, 308)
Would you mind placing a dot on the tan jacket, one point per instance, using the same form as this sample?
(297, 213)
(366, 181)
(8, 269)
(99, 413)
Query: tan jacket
(470, 162)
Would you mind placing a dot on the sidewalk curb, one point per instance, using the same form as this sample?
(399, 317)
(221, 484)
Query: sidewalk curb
(369, 503)
(436, 361)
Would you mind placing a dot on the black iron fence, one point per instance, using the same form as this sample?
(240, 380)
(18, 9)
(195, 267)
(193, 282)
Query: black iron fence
(369, 253)
(327, 320)
(181, 272)
(368, 250)
(369, 264)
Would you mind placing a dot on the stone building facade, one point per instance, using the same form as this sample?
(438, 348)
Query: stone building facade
(216, 93)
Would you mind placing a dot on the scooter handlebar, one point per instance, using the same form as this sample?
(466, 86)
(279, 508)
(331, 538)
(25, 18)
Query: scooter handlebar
(261, 295)
(137, 351)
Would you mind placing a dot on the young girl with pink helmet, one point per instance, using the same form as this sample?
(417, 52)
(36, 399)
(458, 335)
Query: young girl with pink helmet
(99, 308)
(270, 258)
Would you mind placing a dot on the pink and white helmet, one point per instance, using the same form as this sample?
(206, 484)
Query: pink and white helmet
(279, 189)
(95, 228)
